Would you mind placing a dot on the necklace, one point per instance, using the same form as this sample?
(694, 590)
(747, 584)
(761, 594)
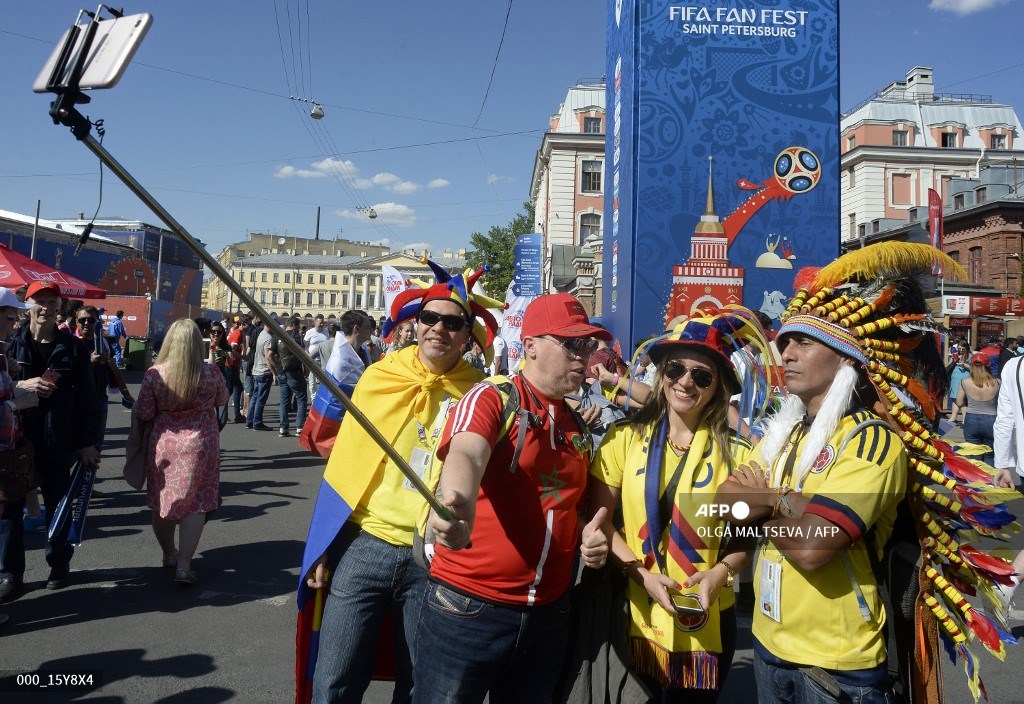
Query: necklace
(678, 449)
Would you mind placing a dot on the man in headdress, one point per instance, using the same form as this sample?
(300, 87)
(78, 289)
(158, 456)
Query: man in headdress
(362, 527)
(849, 443)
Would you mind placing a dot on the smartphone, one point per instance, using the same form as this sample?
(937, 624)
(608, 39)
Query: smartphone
(112, 49)
(51, 375)
(686, 604)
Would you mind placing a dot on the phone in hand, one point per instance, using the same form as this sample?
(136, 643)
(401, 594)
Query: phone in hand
(51, 376)
(687, 605)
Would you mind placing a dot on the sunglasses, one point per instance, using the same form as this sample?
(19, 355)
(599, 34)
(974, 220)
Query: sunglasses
(576, 346)
(452, 323)
(83, 321)
(702, 378)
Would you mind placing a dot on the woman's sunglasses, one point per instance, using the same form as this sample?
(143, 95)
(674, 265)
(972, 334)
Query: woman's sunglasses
(702, 378)
(85, 321)
(452, 323)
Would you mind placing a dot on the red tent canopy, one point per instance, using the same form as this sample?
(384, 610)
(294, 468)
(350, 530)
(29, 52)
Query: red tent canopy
(17, 270)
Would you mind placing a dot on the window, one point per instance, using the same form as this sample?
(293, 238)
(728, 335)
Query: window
(359, 281)
(320, 299)
(286, 297)
(590, 224)
(591, 125)
(334, 300)
(344, 300)
(263, 277)
(309, 298)
(273, 298)
(359, 300)
(901, 188)
(981, 195)
(252, 276)
(287, 278)
(344, 280)
(958, 202)
(263, 295)
(851, 224)
(974, 265)
(955, 256)
(899, 138)
(949, 140)
(997, 141)
(277, 277)
(862, 230)
(591, 182)
(309, 279)
(851, 178)
(851, 142)
(323, 278)
(334, 279)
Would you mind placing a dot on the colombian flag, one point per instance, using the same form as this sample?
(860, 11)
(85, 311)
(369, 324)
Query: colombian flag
(324, 419)
(393, 391)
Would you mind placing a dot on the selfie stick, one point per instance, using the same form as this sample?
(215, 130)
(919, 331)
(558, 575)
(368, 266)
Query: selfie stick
(63, 112)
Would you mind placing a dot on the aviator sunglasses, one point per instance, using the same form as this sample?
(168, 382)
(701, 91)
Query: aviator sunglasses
(576, 346)
(452, 323)
(702, 378)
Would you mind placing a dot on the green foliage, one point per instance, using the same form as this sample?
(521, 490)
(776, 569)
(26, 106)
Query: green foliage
(497, 249)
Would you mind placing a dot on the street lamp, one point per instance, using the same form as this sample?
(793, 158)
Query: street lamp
(1006, 270)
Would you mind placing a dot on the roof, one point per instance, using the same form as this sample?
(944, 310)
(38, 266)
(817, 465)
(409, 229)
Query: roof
(924, 115)
(345, 261)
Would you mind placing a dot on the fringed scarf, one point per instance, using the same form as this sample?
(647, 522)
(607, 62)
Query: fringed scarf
(683, 544)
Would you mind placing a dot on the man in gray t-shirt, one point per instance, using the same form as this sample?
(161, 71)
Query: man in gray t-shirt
(264, 374)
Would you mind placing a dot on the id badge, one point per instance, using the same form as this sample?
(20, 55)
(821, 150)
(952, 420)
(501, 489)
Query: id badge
(420, 463)
(770, 593)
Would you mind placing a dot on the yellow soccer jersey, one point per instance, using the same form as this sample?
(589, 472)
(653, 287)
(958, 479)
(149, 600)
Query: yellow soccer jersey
(813, 618)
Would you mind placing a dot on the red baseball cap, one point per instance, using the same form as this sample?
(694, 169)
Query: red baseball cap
(559, 314)
(980, 358)
(37, 286)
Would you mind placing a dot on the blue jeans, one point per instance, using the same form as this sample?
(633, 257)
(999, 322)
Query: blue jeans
(292, 384)
(234, 382)
(471, 648)
(788, 685)
(372, 577)
(978, 429)
(260, 393)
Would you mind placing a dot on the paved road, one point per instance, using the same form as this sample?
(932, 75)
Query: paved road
(231, 637)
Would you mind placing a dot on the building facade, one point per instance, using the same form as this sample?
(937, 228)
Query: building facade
(908, 139)
(310, 284)
(567, 190)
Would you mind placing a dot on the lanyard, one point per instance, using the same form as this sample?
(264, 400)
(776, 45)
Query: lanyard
(421, 432)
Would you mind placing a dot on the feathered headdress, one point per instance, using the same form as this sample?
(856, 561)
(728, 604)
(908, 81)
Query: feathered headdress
(869, 306)
(458, 289)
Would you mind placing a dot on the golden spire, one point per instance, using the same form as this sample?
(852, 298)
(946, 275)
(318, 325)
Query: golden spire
(709, 223)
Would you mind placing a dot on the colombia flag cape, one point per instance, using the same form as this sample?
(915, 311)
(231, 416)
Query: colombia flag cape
(391, 392)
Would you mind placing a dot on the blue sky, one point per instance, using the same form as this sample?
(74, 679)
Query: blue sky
(203, 120)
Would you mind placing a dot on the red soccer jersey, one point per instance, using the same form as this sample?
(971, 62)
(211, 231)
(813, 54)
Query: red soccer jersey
(235, 338)
(525, 536)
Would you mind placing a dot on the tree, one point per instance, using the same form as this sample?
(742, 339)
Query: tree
(497, 249)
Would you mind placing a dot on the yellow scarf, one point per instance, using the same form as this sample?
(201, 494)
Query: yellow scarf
(661, 648)
(390, 392)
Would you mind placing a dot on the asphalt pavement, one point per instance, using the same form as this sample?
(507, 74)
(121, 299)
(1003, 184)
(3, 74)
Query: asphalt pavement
(230, 638)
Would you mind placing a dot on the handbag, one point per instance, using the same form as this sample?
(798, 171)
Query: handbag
(17, 471)
(135, 452)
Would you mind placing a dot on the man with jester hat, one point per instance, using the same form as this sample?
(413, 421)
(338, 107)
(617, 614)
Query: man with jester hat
(847, 479)
(358, 565)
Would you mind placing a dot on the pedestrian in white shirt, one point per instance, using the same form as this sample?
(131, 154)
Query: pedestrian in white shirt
(1009, 447)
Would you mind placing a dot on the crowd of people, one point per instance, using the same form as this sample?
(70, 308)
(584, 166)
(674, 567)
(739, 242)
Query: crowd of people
(592, 518)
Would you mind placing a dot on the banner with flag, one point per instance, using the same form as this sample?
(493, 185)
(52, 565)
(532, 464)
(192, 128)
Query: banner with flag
(394, 283)
(512, 327)
(324, 419)
(935, 225)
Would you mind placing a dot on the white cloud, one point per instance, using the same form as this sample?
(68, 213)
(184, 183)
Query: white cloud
(389, 182)
(387, 214)
(965, 7)
(321, 169)
(438, 183)
(498, 178)
(402, 246)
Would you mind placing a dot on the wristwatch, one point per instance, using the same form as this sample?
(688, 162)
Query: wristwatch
(731, 573)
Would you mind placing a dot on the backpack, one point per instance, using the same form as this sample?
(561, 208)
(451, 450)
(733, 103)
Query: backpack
(512, 413)
(289, 361)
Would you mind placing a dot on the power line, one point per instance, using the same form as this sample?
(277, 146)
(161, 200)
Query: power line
(494, 67)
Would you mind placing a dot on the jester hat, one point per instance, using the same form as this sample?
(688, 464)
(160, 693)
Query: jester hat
(457, 289)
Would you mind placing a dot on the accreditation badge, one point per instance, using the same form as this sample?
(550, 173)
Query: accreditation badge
(770, 593)
(420, 463)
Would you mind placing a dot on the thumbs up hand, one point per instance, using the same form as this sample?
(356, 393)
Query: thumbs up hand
(594, 545)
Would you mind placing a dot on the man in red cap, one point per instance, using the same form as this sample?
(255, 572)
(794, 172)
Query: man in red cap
(55, 366)
(496, 616)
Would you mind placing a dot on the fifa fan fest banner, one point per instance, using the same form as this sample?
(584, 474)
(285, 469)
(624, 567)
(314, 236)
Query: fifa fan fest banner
(722, 158)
